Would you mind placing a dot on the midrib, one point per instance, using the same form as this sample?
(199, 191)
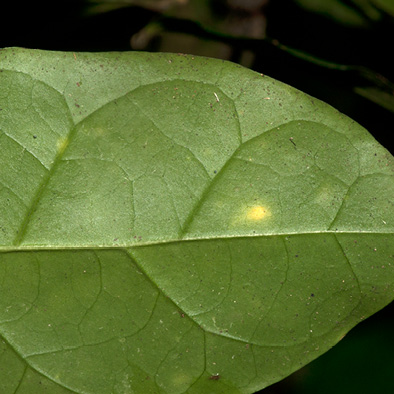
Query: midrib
(16, 248)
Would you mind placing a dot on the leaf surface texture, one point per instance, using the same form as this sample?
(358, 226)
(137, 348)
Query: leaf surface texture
(173, 224)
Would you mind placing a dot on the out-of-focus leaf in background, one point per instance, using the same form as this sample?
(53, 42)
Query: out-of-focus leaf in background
(235, 30)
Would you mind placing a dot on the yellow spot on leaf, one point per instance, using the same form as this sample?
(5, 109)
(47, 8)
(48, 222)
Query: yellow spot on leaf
(256, 213)
(61, 144)
(251, 215)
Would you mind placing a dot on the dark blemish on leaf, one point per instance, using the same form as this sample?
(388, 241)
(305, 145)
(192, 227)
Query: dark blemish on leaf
(214, 377)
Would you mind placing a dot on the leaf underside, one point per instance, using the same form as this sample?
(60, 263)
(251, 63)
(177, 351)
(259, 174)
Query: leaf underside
(174, 224)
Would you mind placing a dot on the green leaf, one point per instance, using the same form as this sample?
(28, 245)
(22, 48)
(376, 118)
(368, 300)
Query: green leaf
(174, 224)
(380, 96)
(344, 12)
(354, 13)
(385, 5)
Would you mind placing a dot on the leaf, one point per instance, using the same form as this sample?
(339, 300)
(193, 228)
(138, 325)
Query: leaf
(174, 224)
(354, 13)
(385, 5)
(343, 12)
(380, 96)
(100, 6)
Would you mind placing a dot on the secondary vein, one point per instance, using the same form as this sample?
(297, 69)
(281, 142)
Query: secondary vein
(40, 190)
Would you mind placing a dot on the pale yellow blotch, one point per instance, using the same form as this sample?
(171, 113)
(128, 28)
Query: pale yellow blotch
(250, 215)
(257, 212)
(61, 145)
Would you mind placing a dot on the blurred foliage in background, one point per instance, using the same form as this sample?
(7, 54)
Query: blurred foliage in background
(339, 51)
(237, 30)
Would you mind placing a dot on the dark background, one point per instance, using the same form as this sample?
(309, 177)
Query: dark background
(330, 56)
